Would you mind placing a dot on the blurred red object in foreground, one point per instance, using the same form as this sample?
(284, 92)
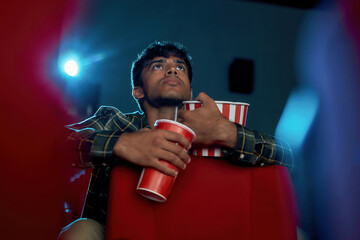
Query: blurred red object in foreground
(35, 168)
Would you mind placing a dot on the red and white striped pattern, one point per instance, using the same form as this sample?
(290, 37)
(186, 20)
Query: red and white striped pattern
(234, 111)
(191, 105)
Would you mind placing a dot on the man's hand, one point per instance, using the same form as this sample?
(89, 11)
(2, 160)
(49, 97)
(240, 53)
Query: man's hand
(209, 124)
(147, 147)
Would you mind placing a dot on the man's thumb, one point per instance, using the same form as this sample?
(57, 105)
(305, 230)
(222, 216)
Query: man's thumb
(203, 98)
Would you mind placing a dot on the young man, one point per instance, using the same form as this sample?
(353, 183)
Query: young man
(161, 78)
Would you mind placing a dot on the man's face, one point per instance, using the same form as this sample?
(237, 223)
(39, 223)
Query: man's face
(165, 82)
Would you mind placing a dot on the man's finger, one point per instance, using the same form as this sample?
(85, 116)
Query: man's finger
(204, 98)
(175, 155)
(162, 168)
(177, 138)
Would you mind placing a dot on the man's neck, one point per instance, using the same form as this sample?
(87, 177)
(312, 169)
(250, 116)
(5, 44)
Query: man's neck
(153, 114)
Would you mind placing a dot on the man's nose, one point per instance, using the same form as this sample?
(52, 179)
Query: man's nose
(171, 71)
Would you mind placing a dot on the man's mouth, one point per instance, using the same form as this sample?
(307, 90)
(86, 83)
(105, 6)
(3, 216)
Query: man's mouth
(173, 81)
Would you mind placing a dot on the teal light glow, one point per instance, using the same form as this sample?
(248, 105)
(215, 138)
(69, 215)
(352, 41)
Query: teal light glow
(297, 117)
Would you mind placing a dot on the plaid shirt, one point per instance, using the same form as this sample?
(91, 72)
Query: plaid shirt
(94, 138)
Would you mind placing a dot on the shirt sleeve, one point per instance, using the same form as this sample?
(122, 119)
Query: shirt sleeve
(92, 140)
(260, 150)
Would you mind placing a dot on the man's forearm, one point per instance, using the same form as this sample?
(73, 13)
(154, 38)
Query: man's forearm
(260, 150)
(227, 135)
(92, 148)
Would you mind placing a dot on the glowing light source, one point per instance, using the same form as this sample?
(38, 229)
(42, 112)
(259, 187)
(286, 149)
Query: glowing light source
(71, 68)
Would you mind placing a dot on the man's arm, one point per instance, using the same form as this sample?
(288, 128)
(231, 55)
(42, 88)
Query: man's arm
(239, 143)
(260, 150)
(109, 136)
(147, 147)
(92, 140)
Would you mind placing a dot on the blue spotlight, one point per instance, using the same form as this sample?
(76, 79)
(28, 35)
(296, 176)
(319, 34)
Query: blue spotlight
(297, 117)
(71, 68)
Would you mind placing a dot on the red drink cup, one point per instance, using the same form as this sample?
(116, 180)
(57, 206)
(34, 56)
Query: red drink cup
(233, 111)
(154, 184)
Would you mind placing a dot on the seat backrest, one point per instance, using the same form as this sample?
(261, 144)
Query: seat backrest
(211, 199)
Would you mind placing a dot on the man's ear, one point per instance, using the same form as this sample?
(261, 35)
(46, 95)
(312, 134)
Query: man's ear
(138, 92)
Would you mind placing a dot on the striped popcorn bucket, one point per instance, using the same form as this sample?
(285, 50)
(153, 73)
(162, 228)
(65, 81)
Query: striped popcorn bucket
(233, 111)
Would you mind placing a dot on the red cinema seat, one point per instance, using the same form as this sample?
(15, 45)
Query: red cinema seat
(211, 199)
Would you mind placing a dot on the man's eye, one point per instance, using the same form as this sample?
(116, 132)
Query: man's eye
(158, 66)
(180, 68)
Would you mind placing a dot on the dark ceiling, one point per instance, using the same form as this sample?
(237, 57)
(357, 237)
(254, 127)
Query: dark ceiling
(305, 4)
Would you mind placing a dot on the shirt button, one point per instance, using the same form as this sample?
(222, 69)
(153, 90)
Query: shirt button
(242, 156)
